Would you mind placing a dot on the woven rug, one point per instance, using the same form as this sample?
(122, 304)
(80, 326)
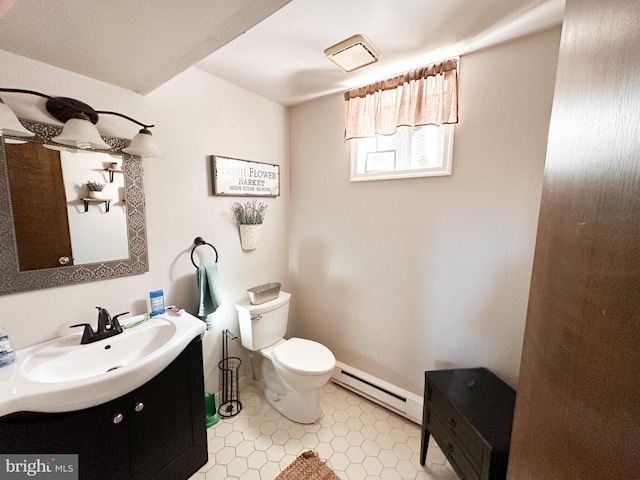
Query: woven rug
(307, 466)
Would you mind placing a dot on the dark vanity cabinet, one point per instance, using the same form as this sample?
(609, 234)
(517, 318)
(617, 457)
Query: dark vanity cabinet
(469, 412)
(156, 432)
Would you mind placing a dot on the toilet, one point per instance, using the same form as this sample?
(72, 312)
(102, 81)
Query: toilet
(295, 370)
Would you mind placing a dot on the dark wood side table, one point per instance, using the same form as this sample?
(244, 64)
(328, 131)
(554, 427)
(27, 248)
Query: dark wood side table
(469, 412)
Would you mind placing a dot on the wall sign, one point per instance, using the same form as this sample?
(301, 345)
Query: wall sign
(241, 177)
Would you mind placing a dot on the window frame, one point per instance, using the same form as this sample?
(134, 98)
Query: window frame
(444, 170)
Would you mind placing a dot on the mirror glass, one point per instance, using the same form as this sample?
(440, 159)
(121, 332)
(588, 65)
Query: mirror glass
(66, 215)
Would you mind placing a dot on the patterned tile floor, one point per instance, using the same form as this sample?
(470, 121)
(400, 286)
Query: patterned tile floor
(359, 440)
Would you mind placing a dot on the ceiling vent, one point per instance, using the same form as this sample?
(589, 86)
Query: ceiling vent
(353, 53)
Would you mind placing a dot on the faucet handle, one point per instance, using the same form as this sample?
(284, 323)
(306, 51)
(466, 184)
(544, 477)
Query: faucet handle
(119, 315)
(86, 334)
(115, 324)
(85, 325)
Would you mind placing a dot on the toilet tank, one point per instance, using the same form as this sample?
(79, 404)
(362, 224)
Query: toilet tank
(265, 324)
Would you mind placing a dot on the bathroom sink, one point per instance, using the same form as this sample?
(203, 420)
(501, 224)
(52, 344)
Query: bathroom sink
(61, 362)
(63, 375)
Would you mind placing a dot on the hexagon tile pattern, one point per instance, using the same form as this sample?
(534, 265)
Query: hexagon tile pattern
(357, 438)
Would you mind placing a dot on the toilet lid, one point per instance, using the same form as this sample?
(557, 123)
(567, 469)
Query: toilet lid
(305, 357)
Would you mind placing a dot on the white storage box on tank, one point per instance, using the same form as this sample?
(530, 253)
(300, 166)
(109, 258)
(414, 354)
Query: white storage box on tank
(263, 325)
(263, 293)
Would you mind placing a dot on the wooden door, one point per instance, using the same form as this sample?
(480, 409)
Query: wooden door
(577, 410)
(39, 206)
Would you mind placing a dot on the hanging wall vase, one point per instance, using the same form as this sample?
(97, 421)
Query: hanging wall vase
(250, 216)
(249, 235)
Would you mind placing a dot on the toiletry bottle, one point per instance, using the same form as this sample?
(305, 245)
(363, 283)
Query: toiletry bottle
(157, 302)
(7, 355)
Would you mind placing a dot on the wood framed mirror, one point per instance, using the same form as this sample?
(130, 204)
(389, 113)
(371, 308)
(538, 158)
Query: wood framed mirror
(52, 231)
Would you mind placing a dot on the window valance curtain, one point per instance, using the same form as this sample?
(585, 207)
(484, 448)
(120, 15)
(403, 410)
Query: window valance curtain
(424, 96)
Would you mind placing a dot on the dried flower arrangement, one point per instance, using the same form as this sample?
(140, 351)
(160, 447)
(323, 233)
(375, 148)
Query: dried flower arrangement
(94, 186)
(250, 213)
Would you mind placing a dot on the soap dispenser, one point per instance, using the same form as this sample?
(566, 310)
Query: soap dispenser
(7, 355)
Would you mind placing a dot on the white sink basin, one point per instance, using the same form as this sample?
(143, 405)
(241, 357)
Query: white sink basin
(62, 375)
(60, 362)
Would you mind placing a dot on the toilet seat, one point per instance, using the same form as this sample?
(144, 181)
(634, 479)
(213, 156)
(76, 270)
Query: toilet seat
(304, 357)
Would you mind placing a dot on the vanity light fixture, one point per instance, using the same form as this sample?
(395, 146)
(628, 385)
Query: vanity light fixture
(143, 144)
(9, 123)
(353, 53)
(79, 129)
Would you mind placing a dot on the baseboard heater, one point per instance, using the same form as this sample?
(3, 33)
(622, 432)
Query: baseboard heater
(393, 398)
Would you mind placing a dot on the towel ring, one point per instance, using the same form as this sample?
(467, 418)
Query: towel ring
(198, 242)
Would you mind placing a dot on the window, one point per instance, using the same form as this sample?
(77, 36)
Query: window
(402, 127)
(421, 152)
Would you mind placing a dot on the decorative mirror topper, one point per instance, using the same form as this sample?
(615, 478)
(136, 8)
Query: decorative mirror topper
(232, 176)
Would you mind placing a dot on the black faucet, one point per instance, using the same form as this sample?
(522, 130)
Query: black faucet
(107, 327)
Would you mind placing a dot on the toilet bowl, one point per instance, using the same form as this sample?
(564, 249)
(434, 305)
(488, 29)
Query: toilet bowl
(294, 370)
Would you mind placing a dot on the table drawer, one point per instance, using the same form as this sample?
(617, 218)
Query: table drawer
(457, 426)
(450, 447)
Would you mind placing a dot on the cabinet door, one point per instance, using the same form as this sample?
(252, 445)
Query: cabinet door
(167, 420)
(102, 445)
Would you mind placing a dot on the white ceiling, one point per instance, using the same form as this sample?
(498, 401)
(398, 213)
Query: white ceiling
(135, 44)
(271, 47)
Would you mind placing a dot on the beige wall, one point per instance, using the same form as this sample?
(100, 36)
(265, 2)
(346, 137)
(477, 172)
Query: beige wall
(196, 115)
(402, 276)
